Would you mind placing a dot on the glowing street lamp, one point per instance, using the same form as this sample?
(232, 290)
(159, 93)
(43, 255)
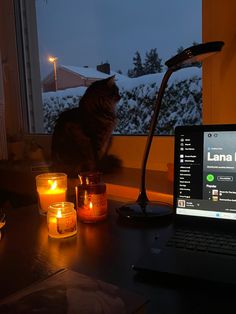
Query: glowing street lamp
(54, 61)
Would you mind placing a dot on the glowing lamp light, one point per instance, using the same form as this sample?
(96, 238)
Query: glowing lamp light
(54, 61)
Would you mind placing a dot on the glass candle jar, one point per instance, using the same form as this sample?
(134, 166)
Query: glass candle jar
(91, 199)
(61, 220)
(51, 188)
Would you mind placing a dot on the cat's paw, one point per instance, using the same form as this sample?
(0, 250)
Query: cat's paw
(110, 164)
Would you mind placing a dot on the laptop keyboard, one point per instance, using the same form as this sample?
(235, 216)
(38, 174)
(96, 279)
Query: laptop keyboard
(204, 241)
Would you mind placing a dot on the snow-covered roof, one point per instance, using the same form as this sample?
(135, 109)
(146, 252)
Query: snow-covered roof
(86, 72)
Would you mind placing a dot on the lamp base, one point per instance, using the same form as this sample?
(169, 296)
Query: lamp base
(144, 211)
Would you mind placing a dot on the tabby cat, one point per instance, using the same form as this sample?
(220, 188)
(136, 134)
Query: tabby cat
(82, 135)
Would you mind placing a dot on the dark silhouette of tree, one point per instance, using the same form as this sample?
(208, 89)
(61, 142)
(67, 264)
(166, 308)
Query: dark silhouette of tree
(152, 63)
(180, 49)
(138, 67)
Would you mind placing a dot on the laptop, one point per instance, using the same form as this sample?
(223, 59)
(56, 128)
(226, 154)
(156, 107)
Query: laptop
(201, 241)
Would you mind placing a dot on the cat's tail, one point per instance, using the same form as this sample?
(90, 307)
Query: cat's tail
(110, 164)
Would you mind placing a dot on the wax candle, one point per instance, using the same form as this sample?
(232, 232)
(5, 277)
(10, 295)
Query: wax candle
(51, 188)
(91, 199)
(61, 220)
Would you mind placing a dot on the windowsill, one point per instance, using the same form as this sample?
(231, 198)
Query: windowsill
(19, 178)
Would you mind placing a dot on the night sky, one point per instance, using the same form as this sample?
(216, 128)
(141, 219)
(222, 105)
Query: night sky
(89, 32)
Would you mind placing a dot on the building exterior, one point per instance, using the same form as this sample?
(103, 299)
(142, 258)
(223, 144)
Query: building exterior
(72, 76)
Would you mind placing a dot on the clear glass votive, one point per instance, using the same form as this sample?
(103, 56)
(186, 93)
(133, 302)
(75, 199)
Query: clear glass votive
(51, 188)
(91, 198)
(62, 220)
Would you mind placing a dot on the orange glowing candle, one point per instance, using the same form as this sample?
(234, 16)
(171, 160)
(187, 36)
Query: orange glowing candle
(51, 188)
(51, 195)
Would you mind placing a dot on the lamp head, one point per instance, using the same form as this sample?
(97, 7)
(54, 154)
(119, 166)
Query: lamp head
(194, 54)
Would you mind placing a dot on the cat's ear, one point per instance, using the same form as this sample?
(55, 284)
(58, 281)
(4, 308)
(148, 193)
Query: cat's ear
(111, 80)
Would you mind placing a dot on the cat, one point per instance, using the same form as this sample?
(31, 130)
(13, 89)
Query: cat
(82, 135)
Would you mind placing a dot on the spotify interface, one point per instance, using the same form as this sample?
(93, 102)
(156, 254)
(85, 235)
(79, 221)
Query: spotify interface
(206, 174)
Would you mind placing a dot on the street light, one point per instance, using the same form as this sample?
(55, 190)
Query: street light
(54, 61)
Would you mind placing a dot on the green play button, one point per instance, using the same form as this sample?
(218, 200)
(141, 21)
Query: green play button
(210, 177)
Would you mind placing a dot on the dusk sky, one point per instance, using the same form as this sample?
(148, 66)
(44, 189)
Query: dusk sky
(89, 32)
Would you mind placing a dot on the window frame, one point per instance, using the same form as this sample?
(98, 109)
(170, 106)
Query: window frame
(29, 69)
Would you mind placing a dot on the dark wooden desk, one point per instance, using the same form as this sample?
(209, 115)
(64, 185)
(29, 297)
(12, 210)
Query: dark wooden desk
(105, 251)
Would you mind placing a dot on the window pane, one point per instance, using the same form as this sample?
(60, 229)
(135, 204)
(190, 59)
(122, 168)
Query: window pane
(92, 39)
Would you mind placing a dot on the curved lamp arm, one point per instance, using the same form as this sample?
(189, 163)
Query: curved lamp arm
(142, 198)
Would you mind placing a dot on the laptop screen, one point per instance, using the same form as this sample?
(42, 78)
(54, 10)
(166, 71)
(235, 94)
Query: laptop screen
(205, 171)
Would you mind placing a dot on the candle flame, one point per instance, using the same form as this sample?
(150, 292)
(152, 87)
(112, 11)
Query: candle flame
(53, 184)
(90, 205)
(59, 215)
(86, 197)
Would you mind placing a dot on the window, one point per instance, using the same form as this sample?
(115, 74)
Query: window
(90, 40)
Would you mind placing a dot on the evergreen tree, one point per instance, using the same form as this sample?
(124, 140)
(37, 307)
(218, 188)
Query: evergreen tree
(130, 73)
(152, 64)
(138, 67)
(180, 49)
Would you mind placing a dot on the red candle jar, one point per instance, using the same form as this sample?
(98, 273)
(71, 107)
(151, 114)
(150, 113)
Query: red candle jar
(91, 198)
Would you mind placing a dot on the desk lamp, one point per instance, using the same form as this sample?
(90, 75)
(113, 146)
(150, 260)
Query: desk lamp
(143, 209)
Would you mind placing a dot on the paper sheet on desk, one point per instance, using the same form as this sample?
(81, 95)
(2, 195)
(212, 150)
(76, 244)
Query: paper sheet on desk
(71, 292)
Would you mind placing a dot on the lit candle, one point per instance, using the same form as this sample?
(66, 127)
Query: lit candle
(91, 207)
(61, 220)
(51, 195)
(51, 188)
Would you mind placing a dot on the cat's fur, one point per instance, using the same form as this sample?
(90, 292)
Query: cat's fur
(82, 135)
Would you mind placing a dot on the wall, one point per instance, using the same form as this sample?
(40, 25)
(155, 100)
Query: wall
(8, 49)
(66, 79)
(131, 149)
(219, 71)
